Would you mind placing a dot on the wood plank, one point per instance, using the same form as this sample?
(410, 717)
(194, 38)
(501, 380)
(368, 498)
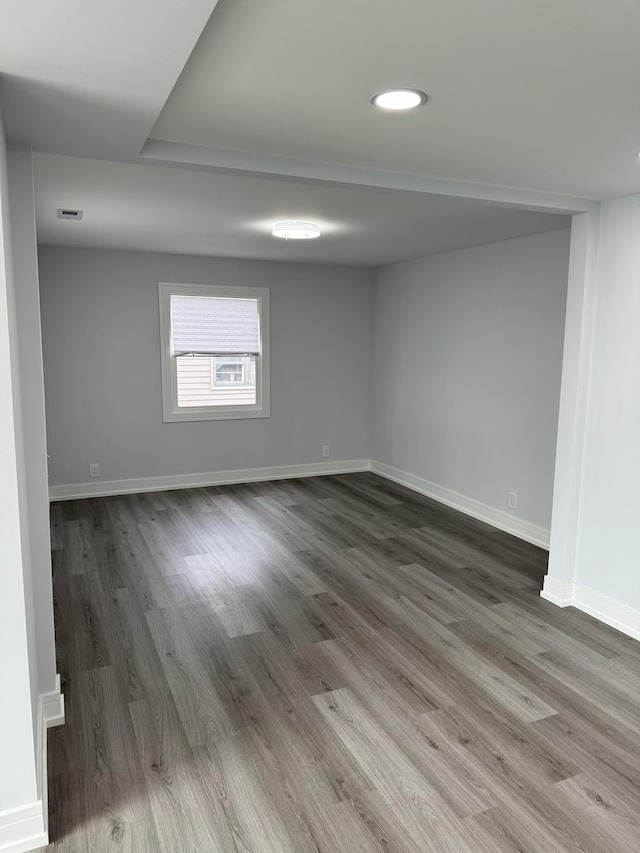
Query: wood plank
(499, 686)
(199, 706)
(411, 798)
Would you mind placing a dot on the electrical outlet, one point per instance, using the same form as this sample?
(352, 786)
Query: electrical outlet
(512, 500)
(94, 469)
(326, 451)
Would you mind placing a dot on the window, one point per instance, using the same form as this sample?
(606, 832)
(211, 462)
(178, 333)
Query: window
(215, 352)
(236, 370)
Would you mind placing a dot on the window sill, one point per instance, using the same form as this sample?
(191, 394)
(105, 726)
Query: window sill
(227, 413)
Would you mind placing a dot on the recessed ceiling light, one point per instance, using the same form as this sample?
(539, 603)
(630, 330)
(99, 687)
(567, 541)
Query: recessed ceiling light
(399, 99)
(295, 230)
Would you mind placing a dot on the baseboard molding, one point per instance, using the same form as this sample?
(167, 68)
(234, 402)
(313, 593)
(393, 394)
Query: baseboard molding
(27, 827)
(53, 706)
(557, 592)
(483, 512)
(214, 478)
(23, 829)
(50, 713)
(608, 610)
(502, 520)
(602, 607)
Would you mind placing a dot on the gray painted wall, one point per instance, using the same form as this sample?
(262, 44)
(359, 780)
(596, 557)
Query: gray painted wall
(467, 367)
(102, 366)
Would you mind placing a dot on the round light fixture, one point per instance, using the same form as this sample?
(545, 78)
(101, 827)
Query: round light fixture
(295, 230)
(399, 99)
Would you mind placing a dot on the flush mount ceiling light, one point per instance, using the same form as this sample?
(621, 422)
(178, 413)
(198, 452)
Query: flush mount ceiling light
(399, 99)
(295, 230)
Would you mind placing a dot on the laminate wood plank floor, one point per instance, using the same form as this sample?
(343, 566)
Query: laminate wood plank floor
(336, 665)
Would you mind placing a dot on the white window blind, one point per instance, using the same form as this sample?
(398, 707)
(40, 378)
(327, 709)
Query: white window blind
(205, 325)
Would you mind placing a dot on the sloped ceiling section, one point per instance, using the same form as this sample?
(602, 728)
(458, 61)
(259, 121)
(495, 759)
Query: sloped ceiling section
(89, 79)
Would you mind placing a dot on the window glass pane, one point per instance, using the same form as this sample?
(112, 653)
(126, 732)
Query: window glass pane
(234, 370)
(221, 381)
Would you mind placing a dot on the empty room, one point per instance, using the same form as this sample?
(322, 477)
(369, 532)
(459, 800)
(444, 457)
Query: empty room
(319, 364)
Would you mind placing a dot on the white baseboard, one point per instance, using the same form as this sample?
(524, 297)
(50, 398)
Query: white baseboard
(27, 827)
(50, 713)
(608, 610)
(53, 706)
(502, 520)
(215, 478)
(23, 829)
(557, 592)
(602, 607)
(483, 512)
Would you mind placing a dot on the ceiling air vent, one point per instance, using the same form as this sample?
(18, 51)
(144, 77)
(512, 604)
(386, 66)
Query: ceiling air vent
(69, 213)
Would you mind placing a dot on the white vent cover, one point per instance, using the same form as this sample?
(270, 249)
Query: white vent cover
(70, 213)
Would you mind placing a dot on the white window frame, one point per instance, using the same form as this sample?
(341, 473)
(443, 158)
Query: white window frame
(171, 412)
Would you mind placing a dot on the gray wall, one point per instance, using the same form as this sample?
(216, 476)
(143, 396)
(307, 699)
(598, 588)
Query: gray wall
(467, 367)
(102, 366)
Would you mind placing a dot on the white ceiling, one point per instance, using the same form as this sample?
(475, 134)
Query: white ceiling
(535, 94)
(89, 78)
(129, 206)
(539, 94)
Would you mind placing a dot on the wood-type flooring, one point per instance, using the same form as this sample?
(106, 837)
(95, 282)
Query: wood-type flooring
(328, 665)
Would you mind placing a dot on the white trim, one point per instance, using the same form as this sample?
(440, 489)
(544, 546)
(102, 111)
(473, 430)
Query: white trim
(502, 520)
(53, 706)
(42, 779)
(213, 478)
(602, 607)
(557, 592)
(497, 518)
(171, 412)
(608, 610)
(27, 827)
(181, 155)
(572, 419)
(23, 829)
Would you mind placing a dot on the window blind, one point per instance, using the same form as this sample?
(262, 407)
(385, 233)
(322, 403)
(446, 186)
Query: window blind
(206, 325)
